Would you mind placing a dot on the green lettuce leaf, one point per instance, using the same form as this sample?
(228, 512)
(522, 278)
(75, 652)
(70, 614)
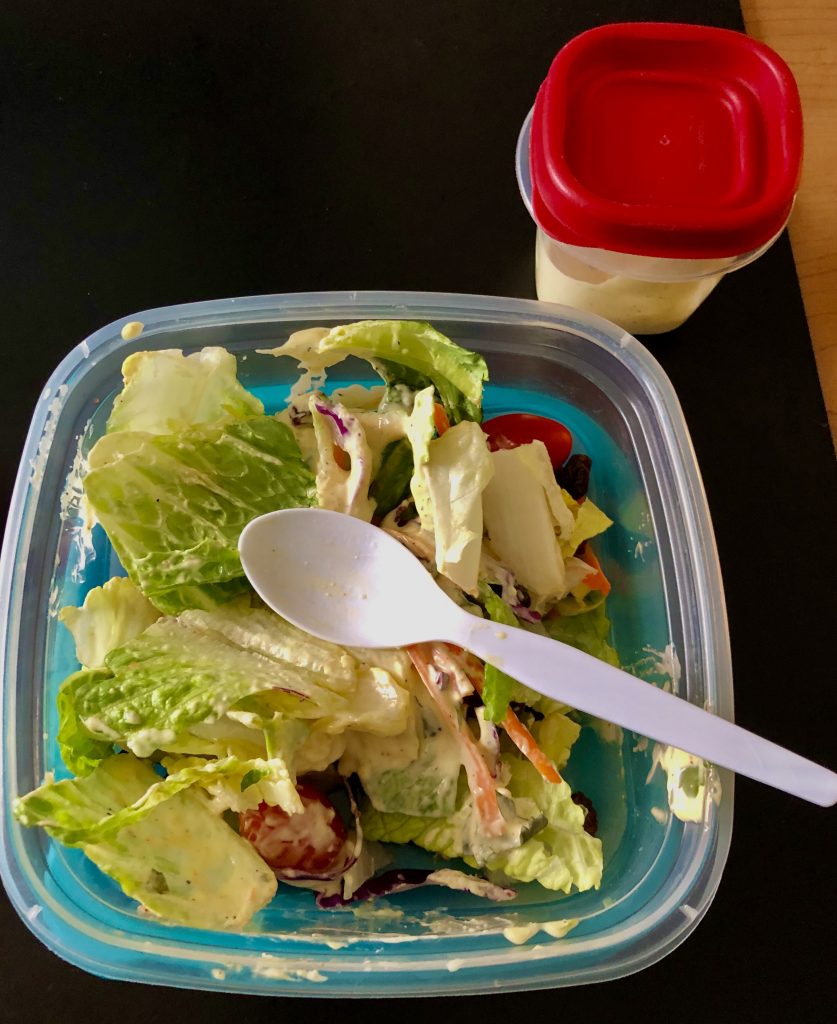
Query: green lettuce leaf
(420, 430)
(175, 856)
(391, 483)
(525, 516)
(193, 669)
(80, 751)
(408, 352)
(174, 506)
(48, 805)
(500, 689)
(404, 352)
(379, 706)
(588, 632)
(416, 771)
(455, 475)
(588, 521)
(234, 784)
(555, 734)
(450, 474)
(166, 391)
(560, 855)
(444, 836)
(110, 616)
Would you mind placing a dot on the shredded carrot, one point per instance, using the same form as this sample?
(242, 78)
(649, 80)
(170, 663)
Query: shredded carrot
(525, 743)
(342, 458)
(440, 419)
(595, 580)
(517, 731)
(479, 778)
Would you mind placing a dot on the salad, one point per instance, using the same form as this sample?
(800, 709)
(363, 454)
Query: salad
(213, 750)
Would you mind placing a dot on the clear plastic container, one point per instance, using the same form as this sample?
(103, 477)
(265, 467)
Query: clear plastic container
(667, 605)
(657, 159)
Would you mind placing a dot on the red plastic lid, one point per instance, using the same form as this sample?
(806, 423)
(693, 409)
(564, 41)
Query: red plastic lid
(679, 141)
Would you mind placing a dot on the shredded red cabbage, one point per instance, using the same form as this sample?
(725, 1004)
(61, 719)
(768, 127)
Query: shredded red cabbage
(401, 879)
(527, 614)
(326, 410)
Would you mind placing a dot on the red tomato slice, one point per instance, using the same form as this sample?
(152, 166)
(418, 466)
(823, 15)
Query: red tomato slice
(517, 428)
(311, 841)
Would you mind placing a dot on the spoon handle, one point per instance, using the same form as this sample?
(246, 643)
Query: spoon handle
(565, 674)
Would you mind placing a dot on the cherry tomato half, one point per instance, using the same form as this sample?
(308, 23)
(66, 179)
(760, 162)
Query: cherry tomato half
(310, 841)
(517, 428)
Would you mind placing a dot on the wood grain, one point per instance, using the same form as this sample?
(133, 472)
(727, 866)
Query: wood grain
(806, 36)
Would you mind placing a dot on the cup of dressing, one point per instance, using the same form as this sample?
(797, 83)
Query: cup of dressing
(657, 158)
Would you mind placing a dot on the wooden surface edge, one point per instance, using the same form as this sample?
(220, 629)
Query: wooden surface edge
(806, 37)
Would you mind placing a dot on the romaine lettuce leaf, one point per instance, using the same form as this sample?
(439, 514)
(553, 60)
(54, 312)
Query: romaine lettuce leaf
(379, 706)
(445, 836)
(498, 691)
(456, 373)
(555, 734)
(166, 391)
(174, 506)
(449, 477)
(414, 772)
(110, 616)
(498, 688)
(80, 751)
(47, 806)
(521, 523)
(420, 431)
(559, 856)
(190, 670)
(403, 352)
(588, 521)
(391, 483)
(231, 783)
(456, 473)
(537, 459)
(177, 858)
(588, 632)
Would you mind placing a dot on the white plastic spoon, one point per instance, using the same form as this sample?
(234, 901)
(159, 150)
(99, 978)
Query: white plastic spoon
(346, 581)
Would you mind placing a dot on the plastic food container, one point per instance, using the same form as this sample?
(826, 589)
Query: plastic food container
(669, 625)
(657, 159)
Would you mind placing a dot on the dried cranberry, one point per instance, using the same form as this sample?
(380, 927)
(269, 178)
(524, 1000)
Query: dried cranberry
(574, 475)
(591, 821)
(523, 709)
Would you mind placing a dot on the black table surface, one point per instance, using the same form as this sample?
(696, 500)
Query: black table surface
(163, 152)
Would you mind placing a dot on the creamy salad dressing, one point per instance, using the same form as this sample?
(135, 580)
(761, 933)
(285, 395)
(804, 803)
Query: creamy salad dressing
(518, 934)
(38, 463)
(414, 772)
(641, 307)
(132, 330)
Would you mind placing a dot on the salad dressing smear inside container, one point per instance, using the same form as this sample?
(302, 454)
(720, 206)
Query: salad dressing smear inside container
(657, 159)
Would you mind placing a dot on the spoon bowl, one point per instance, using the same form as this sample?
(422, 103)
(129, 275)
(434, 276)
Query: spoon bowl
(342, 579)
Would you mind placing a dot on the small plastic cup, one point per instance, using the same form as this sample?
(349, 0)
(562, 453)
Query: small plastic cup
(657, 159)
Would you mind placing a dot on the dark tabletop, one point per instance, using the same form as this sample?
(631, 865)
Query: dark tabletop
(162, 152)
